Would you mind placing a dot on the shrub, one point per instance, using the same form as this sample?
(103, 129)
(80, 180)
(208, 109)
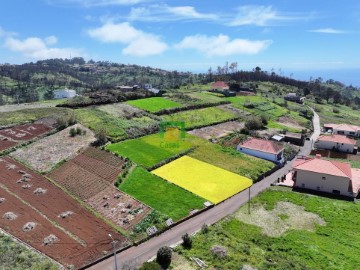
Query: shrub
(187, 241)
(264, 119)
(78, 131)
(204, 228)
(163, 256)
(100, 136)
(72, 132)
(335, 110)
(254, 123)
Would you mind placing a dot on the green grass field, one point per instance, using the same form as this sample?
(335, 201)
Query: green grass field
(279, 126)
(161, 195)
(200, 117)
(150, 150)
(332, 246)
(117, 128)
(29, 115)
(153, 104)
(231, 160)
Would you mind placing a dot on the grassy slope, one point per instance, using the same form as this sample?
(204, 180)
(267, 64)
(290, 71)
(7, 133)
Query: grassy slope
(231, 160)
(153, 104)
(330, 247)
(148, 151)
(200, 117)
(28, 115)
(115, 127)
(15, 256)
(161, 195)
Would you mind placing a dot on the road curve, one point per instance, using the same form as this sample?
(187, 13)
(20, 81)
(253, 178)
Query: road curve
(137, 255)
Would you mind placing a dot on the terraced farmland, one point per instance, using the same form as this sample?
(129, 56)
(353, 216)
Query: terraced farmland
(205, 180)
(61, 209)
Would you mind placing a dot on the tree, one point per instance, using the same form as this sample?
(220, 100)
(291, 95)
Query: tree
(49, 94)
(187, 241)
(101, 137)
(337, 98)
(163, 256)
(254, 123)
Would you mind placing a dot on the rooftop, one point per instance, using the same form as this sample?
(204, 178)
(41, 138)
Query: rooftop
(337, 139)
(323, 166)
(344, 127)
(220, 84)
(262, 145)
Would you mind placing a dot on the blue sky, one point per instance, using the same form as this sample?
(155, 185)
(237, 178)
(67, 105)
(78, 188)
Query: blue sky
(289, 36)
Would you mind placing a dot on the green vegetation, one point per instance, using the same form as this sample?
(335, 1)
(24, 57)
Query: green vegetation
(201, 117)
(153, 104)
(231, 160)
(15, 256)
(163, 196)
(29, 115)
(328, 247)
(116, 128)
(279, 126)
(205, 97)
(150, 150)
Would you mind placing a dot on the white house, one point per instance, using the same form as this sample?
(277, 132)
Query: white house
(264, 149)
(329, 176)
(64, 93)
(336, 143)
(343, 129)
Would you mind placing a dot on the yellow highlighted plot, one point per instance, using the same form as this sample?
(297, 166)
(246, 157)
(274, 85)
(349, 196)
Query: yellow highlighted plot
(203, 179)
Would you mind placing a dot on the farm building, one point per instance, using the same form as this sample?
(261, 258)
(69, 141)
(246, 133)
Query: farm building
(328, 176)
(336, 143)
(64, 93)
(294, 97)
(343, 129)
(220, 85)
(264, 149)
(295, 138)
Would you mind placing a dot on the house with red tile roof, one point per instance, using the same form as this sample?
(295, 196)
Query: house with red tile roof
(220, 85)
(336, 142)
(328, 176)
(343, 129)
(264, 149)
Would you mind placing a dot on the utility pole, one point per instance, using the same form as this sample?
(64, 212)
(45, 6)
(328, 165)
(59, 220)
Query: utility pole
(249, 201)
(113, 244)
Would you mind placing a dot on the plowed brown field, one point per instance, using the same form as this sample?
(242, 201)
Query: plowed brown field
(53, 203)
(25, 132)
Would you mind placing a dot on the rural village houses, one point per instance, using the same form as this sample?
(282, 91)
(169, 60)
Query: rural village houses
(328, 176)
(264, 149)
(336, 142)
(343, 129)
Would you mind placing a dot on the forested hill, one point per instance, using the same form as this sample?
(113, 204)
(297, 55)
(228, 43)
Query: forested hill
(35, 81)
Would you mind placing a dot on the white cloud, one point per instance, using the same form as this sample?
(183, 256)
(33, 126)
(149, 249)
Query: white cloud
(222, 45)
(163, 12)
(51, 40)
(262, 16)
(4, 33)
(328, 31)
(138, 42)
(37, 48)
(95, 3)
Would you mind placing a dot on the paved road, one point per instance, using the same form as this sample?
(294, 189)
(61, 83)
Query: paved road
(139, 254)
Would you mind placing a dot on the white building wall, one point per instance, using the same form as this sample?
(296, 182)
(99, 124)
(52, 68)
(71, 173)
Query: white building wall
(315, 181)
(344, 132)
(58, 94)
(260, 154)
(348, 148)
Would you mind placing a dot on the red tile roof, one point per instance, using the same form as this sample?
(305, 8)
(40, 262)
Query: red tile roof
(337, 139)
(323, 166)
(220, 84)
(262, 145)
(344, 127)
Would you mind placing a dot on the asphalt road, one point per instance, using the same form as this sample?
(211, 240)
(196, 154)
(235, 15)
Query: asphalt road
(139, 254)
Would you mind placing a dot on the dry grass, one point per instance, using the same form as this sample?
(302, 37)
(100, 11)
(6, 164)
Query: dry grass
(44, 154)
(284, 217)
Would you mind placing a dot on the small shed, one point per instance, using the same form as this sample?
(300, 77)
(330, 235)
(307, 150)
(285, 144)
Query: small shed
(294, 138)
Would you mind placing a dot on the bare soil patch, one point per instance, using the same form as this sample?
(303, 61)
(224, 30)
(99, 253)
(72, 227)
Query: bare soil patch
(217, 131)
(5, 143)
(44, 154)
(121, 110)
(25, 132)
(87, 229)
(120, 208)
(285, 216)
(287, 121)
